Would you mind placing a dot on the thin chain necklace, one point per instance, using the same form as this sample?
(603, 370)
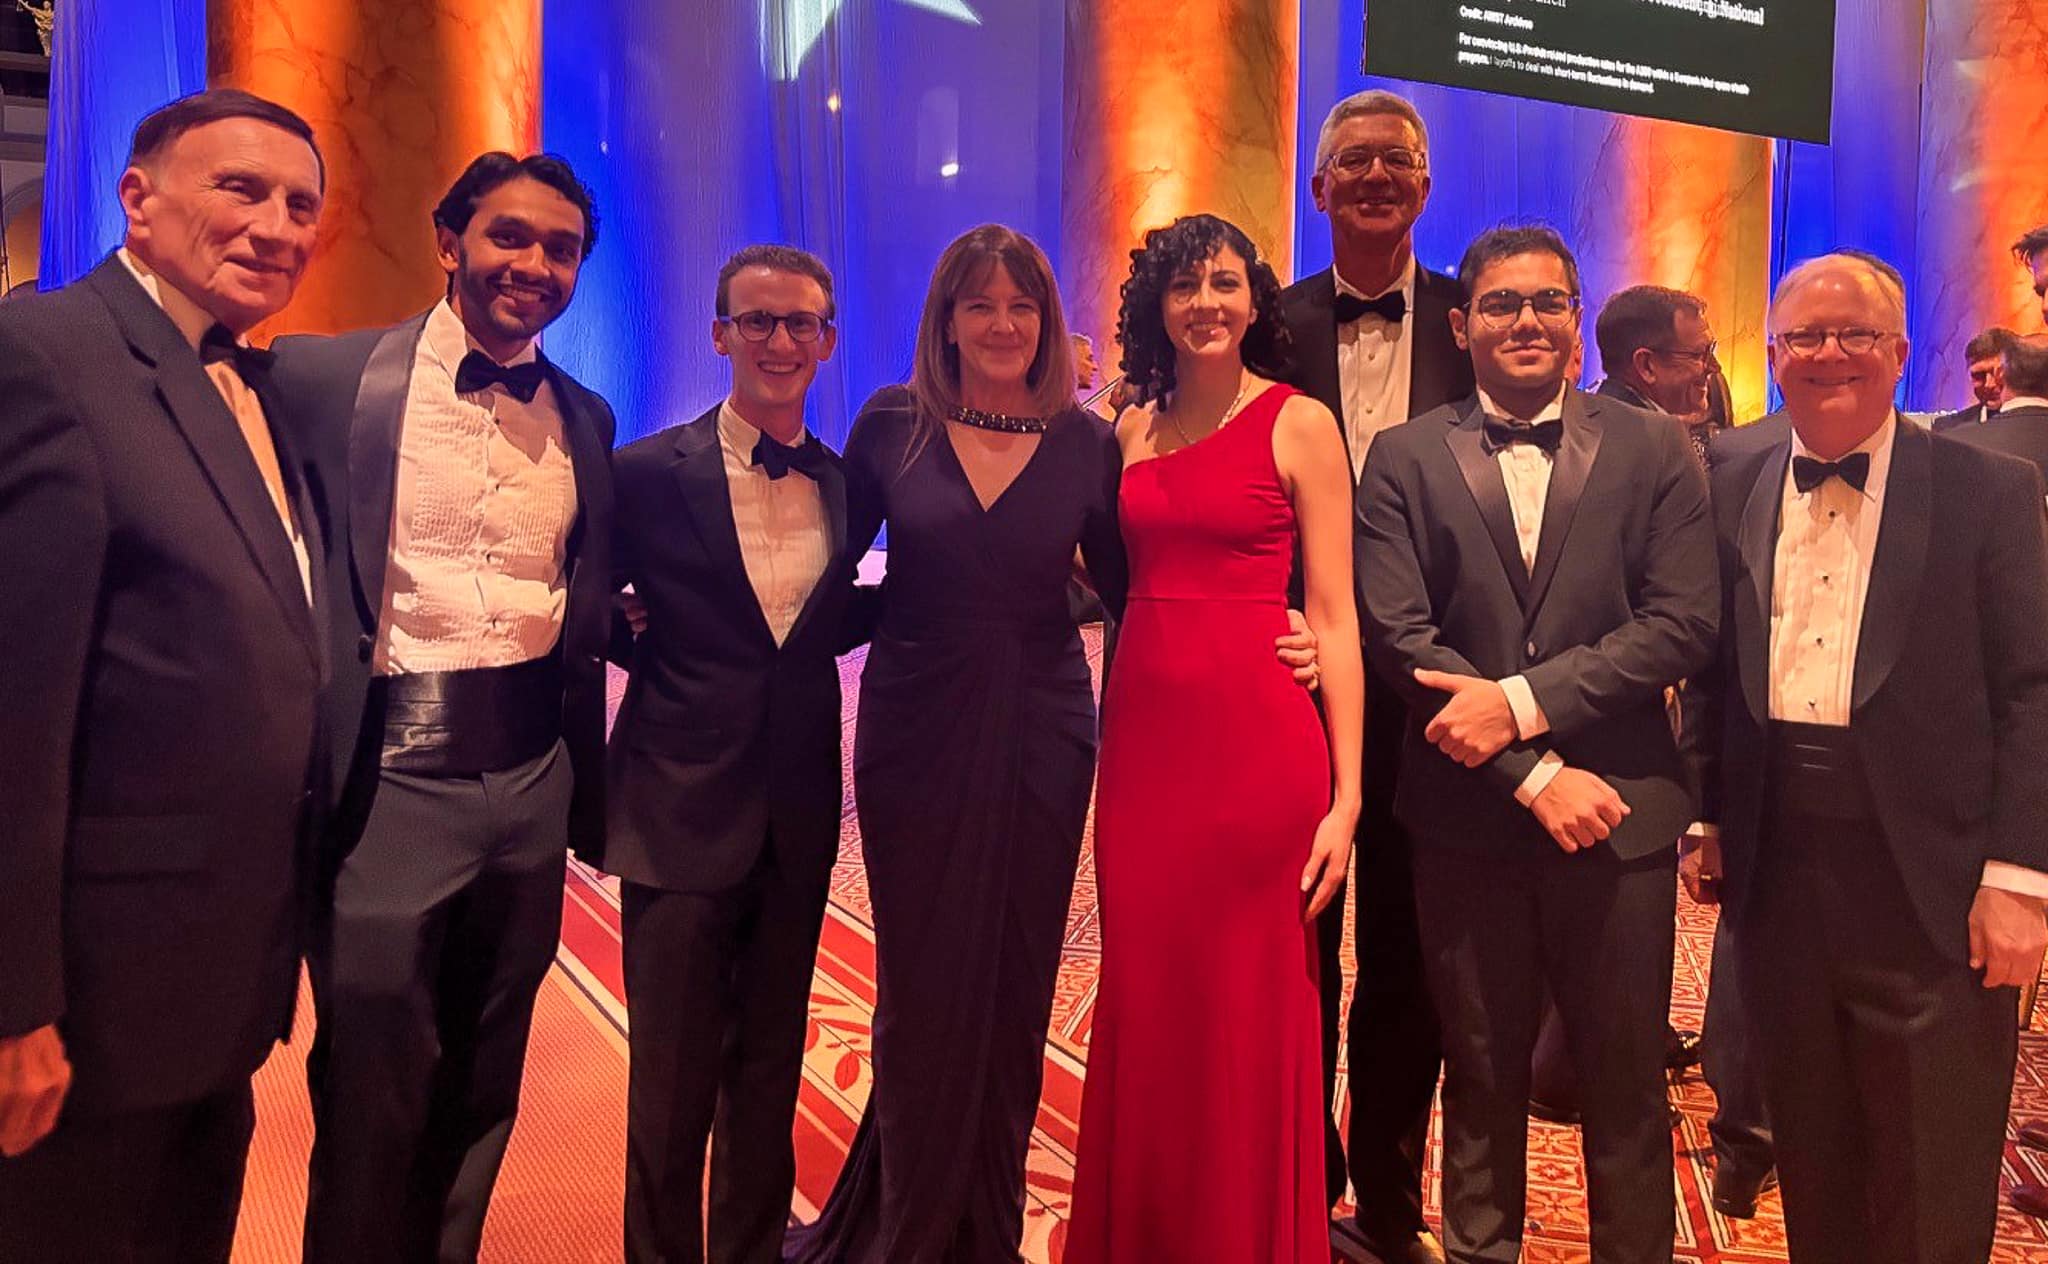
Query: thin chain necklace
(1228, 413)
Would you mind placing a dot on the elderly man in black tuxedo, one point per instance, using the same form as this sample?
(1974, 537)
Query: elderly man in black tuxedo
(158, 554)
(466, 483)
(1871, 742)
(1536, 567)
(725, 800)
(1372, 342)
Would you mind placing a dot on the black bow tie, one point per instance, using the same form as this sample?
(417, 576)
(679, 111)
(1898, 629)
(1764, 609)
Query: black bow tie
(777, 459)
(219, 345)
(1501, 434)
(479, 372)
(1388, 307)
(1808, 473)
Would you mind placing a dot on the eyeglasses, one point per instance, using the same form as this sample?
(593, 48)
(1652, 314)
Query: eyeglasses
(1399, 160)
(1808, 342)
(760, 326)
(1703, 355)
(1501, 308)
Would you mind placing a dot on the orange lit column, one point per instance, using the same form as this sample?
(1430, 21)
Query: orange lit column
(1983, 182)
(1173, 108)
(402, 94)
(1689, 208)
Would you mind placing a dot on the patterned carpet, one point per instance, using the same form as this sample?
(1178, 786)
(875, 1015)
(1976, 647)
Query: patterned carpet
(558, 1201)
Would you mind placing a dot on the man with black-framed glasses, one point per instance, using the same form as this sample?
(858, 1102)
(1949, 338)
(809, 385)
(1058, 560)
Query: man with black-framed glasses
(724, 768)
(1535, 567)
(1870, 743)
(1372, 340)
(1658, 350)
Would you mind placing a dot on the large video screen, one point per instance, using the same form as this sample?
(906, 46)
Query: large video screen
(1763, 66)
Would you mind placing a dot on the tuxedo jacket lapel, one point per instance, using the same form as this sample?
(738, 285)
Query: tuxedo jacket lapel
(209, 428)
(699, 467)
(1896, 570)
(1433, 355)
(832, 489)
(1756, 543)
(1569, 470)
(1490, 493)
(373, 438)
(1315, 346)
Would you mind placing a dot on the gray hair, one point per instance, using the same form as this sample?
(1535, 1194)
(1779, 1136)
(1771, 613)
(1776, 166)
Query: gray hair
(1361, 104)
(1882, 277)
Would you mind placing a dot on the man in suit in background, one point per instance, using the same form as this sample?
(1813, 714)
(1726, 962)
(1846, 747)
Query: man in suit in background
(2031, 250)
(1372, 341)
(163, 625)
(1870, 744)
(466, 483)
(1985, 354)
(1536, 567)
(725, 796)
(2021, 426)
(1658, 350)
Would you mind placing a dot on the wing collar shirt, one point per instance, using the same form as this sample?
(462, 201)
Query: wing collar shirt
(1820, 578)
(784, 538)
(241, 400)
(1375, 366)
(481, 514)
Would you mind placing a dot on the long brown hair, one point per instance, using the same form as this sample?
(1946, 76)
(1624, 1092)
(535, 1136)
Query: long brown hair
(935, 372)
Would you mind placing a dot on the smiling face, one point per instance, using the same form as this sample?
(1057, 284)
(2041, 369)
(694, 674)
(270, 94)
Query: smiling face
(1531, 355)
(1987, 379)
(995, 326)
(770, 377)
(1845, 395)
(1376, 206)
(227, 214)
(1208, 308)
(514, 266)
(1675, 374)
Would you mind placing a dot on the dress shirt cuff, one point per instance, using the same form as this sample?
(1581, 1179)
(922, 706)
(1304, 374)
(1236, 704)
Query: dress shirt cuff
(1530, 722)
(2018, 879)
(1539, 778)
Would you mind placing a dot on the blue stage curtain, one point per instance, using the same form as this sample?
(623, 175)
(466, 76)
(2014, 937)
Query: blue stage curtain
(113, 61)
(870, 132)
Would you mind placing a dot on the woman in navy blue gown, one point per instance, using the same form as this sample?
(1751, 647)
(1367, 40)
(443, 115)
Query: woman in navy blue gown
(974, 751)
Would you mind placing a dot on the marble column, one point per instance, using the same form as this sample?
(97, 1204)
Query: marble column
(1695, 215)
(402, 94)
(1173, 108)
(1983, 182)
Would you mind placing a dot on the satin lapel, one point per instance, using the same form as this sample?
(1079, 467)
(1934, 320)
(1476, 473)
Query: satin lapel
(1569, 471)
(587, 460)
(373, 437)
(1901, 560)
(1434, 353)
(1315, 344)
(700, 471)
(1756, 542)
(1490, 492)
(211, 431)
(306, 514)
(832, 487)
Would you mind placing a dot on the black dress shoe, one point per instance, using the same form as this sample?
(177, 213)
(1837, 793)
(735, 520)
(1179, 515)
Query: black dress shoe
(2032, 1199)
(1420, 1248)
(2035, 1134)
(1550, 1114)
(1736, 1190)
(1682, 1049)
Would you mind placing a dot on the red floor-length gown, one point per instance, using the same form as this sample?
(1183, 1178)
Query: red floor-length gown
(1201, 1122)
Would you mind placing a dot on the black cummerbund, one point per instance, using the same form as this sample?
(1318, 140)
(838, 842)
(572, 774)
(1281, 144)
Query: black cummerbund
(1815, 771)
(461, 723)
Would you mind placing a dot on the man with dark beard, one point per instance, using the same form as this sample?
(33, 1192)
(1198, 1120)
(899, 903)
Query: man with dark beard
(466, 483)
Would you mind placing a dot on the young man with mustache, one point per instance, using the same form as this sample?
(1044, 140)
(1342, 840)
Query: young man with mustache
(1536, 566)
(466, 482)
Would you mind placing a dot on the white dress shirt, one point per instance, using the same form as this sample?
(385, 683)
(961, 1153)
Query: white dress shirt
(1375, 365)
(2020, 401)
(480, 518)
(242, 401)
(784, 538)
(1820, 578)
(1525, 468)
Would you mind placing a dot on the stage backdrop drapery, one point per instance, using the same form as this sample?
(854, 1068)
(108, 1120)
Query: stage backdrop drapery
(870, 132)
(112, 61)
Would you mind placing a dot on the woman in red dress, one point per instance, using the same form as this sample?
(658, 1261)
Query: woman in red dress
(1220, 829)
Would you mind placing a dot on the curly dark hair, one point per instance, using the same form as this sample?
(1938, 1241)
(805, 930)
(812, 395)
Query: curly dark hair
(1181, 246)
